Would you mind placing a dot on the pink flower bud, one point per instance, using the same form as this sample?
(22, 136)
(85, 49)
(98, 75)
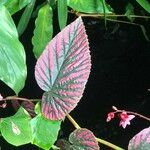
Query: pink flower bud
(110, 116)
(1, 97)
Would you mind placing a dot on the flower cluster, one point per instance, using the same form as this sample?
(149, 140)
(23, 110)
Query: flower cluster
(123, 116)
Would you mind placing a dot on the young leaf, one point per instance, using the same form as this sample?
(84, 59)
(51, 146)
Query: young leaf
(15, 5)
(62, 13)
(145, 4)
(37, 108)
(130, 11)
(23, 22)
(140, 141)
(16, 129)
(44, 132)
(63, 69)
(91, 6)
(43, 30)
(83, 139)
(12, 55)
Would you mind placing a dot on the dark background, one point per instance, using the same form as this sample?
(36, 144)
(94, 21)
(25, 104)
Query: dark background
(120, 76)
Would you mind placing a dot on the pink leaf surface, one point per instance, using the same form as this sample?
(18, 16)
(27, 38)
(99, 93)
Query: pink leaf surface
(63, 70)
(83, 139)
(140, 141)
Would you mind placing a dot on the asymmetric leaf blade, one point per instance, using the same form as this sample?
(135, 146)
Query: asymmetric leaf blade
(12, 56)
(140, 141)
(63, 69)
(83, 139)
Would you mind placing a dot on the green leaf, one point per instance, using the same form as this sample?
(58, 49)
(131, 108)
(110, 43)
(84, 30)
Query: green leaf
(43, 30)
(25, 17)
(3, 2)
(144, 32)
(145, 4)
(44, 131)
(130, 11)
(16, 129)
(90, 6)
(15, 5)
(35, 12)
(62, 13)
(12, 55)
(104, 9)
(37, 108)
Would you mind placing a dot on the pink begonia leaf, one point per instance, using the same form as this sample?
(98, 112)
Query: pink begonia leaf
(63, 70)
(83, 139)
(140, 141)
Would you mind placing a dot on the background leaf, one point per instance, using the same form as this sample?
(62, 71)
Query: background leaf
(15, 5)
(43, 30)
(83, 139)
(12, 56)
(140, 141)
(23, 22)
(130, 11)
(44, 131)
(16, 129)
(63, 69)
(62, 13)
(91, 6)
(145, 4)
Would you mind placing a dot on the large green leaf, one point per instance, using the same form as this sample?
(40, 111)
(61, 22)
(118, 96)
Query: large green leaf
(3, 2)
(16, 129)
(15, 5)
(145, 4)
(25, 17)
(62, 13)
(12, 56)
(43, 30)
(90, 6)
(44, 131)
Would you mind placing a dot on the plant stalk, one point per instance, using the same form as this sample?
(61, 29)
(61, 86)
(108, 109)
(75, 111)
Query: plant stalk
(76, 125)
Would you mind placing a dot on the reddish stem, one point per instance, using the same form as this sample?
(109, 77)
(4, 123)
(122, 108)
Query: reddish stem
(130, 112)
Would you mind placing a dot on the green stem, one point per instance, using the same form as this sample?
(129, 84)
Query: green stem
(108, 15)
(108, 144)
(76, 125)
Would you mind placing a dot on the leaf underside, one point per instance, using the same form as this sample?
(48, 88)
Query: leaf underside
(63, 69)
(83, 139)
(140, 141)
